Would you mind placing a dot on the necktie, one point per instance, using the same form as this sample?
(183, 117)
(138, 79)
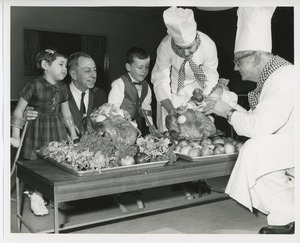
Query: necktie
(197, 70)
(82, 105)
(198, 73)
(137, 83)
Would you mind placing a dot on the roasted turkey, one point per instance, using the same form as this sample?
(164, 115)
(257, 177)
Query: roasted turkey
(110, 119)
(189, 124)
(121, 131)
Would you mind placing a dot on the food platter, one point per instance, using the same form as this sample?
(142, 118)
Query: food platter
(135, 167)
(204, 159)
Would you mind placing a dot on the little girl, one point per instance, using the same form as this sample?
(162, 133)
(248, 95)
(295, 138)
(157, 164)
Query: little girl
(49, 97)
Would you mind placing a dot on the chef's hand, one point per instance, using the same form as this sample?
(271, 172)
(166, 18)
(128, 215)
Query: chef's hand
(223, 83)
(30, 113)
(216, 106)
(167, 104)
(173, 112)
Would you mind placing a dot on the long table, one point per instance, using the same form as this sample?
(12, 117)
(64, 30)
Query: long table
(61, 186)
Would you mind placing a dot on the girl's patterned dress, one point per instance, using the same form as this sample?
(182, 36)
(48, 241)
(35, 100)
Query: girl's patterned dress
(48, 126)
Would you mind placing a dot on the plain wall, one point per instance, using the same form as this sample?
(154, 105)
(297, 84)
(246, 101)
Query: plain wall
(125, 28)
(121, 29)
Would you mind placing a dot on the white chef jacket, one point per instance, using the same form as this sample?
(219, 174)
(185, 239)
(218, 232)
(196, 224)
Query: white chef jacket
(271, 129)
(116, 95)
(165, 74)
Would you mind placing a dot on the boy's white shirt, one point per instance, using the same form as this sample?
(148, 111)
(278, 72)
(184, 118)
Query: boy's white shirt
(116, 95)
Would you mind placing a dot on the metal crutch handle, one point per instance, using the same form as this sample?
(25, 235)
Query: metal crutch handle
(19, 148)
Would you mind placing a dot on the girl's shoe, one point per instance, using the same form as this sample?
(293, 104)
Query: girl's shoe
(37, 204)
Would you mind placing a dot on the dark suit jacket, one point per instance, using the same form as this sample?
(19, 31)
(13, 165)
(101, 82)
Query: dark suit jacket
(97, 98)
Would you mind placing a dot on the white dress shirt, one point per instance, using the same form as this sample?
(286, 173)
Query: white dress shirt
(77, 96)
(116, 94)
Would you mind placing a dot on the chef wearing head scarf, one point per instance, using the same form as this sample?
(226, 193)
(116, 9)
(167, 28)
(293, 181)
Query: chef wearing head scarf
(186, 59)
(263, 174)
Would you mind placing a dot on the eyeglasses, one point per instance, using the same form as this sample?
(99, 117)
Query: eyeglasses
(237, 61)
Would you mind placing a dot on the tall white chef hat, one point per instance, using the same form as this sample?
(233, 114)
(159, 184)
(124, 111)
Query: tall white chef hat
(254, 29)
(181, 25)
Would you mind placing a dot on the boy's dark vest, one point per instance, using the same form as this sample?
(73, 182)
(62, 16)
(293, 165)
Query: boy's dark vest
(132, 102)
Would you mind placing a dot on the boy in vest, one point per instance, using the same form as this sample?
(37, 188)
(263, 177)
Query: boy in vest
(131, 91)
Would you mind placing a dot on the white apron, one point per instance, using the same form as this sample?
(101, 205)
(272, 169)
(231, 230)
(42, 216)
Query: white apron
(259, 156)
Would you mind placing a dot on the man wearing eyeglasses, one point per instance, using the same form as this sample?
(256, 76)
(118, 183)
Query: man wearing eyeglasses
(263, 176)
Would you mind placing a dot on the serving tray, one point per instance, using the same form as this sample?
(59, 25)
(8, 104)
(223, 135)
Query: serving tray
(204, 159)
(73, 171)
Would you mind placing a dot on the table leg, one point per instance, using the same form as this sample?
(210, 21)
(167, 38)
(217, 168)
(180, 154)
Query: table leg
(203, 188)
(199, 188)
(56, 226)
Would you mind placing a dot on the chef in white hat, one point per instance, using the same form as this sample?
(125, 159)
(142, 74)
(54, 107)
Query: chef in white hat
(186, 59)
(263, 176)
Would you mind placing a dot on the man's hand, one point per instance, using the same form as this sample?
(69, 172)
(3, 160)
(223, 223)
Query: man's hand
(223, 83)
(30, 114)
(167, 104)
(173, 112)
(216, 106)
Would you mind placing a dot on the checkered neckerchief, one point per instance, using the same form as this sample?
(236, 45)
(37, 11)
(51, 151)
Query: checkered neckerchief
(198, 72)
(275, 63)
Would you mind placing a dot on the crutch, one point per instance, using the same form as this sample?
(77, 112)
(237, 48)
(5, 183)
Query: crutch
(14, 168)
(19, 148)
